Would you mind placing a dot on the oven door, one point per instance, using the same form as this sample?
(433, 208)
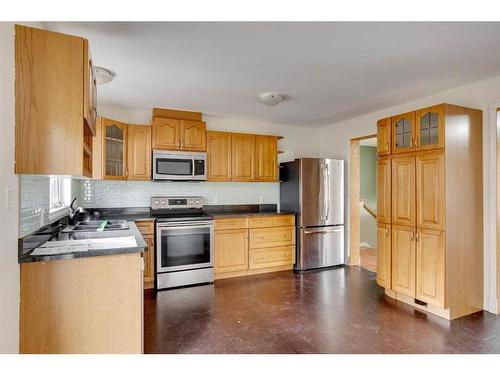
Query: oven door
(184, 246)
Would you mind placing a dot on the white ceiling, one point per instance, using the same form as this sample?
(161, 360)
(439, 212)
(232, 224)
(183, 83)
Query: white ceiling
(329, 72)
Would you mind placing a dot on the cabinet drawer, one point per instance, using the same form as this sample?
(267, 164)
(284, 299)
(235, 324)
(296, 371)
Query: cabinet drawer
(272, 237)
(145, 227)
(272, 257)
(271, 221)
(232, 223)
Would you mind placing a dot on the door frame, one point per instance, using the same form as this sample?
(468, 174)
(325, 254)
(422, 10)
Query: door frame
(354, 197)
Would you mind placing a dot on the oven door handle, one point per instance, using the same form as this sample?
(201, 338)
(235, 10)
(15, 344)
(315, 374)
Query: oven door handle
(185, 224)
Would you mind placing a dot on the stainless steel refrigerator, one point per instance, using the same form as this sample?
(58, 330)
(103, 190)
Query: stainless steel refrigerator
(314, 188)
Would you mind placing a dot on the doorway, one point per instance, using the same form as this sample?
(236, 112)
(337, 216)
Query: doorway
(363, 202)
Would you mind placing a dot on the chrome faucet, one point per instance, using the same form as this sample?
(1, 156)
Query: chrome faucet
(73, 212)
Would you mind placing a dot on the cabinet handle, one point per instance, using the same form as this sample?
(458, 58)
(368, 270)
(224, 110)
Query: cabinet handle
(412, 236)
(416, 142)
(387, 232)
(418, 236)
(411, 143)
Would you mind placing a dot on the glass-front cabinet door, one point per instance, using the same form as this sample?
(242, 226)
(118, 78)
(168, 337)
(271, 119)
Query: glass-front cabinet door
(114, 150)
(430, 128)
(403, 132)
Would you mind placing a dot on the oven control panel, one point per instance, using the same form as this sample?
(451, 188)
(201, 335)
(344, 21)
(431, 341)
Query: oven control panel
(176, 202)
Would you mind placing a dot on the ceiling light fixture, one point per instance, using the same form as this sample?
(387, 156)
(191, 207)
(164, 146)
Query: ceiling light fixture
(104, 75)
(270, 98)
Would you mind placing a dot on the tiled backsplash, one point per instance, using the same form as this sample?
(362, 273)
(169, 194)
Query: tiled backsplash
(34, 196)
(139, 193)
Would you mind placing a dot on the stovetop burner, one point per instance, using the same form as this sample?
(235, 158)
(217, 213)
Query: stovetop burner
(178, 209)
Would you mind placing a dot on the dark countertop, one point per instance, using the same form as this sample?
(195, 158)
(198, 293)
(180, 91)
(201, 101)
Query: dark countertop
(52, 233)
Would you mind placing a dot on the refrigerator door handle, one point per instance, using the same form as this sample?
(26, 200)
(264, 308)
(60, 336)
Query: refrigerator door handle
(328, 188)
(322, 193)
(322, 231)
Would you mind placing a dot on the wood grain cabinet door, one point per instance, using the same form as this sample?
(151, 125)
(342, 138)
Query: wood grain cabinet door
(431, 191)
(266, 158)
(114, 150)
(166, 134)
(384, 255)
(219, 156)
(242, 157)
(430, 275)
(403, 191)
(403, 260)
(193, 136)
(139, 152)
(403, 132)
(231, 250)
(384, 136)
(384, 190)
(149, 269)
(429, 128)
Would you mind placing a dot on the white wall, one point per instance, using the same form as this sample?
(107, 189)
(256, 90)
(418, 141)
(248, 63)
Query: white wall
(9, 268)
(335, 143)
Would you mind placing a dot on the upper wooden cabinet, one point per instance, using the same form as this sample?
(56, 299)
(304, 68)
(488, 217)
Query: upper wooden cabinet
(193, 136)
(219, 156)
(179, 135)
(403, 190)
(384, 136)
(430, 187)
(114, 152)
(89, 89)
(50, 83)
(403, 132)
(139, 152)
(243, 156)
(266, 158)
(429, 128)
(384, 190)
(166, 134)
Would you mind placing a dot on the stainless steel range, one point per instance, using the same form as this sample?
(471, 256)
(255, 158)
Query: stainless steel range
(184, 242)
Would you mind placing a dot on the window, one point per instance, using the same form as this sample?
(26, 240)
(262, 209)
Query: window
(60, 193)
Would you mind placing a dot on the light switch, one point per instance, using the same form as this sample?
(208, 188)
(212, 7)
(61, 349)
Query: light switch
(9, 198)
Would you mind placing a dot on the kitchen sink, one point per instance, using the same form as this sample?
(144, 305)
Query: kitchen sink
(97, 225)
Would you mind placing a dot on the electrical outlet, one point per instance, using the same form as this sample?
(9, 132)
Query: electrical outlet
(261, 199)
(9, 198)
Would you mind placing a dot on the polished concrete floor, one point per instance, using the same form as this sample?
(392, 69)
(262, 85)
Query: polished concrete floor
(339, 310)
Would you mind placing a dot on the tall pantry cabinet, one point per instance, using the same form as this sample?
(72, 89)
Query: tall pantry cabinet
(429, 200)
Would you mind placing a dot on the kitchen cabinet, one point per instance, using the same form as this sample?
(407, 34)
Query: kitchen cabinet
(90, 305)
(219, 156)
(436, 249)
(254, 244)
(384, 190)
(52, 89)
(146, 227)
(97, 146)
(178, 135)
(430, 265)
(403, 190)
(114, 135)
(429, 126)
(266, 158)
(430, 191)
(403, 260)
(403, 132)
(139, 152)
(89, 88)
(232, 250)
(242, 157)
(384, 256)
(166, 133)
(384, 136)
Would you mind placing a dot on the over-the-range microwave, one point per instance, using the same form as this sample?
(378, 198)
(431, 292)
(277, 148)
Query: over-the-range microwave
(179, 166)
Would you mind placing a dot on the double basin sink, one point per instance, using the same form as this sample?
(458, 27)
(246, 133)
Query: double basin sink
(97, 226)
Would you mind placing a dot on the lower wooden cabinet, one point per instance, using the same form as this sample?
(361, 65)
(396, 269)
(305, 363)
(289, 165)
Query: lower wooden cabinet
(255, 244)
(384, 256)
(403, 260)
(147, 230)
(231, 250)
(430, 278)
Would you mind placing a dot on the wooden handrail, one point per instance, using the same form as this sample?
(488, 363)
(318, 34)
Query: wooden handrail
(370, 211)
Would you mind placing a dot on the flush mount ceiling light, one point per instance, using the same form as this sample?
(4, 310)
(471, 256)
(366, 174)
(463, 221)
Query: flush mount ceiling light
(270, 98)
(104, 75)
